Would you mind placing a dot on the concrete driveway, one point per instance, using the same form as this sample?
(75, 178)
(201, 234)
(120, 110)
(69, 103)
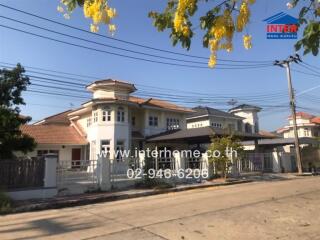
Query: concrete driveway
(262, 210)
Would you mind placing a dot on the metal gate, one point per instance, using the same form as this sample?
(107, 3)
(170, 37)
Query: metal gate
(77, 178)
(119, 172)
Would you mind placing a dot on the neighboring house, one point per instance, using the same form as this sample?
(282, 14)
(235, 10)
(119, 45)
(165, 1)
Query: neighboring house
(112, 120)
(241, 121)
(243, 118)
(250, 115)
(210, 117)
(307, 124)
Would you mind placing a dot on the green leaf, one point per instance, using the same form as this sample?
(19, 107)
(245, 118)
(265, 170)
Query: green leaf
(315, 51)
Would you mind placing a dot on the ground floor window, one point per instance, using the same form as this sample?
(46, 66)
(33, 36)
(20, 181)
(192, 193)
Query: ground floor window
(41, 153)
(105, 147)
(119, 150)
(93, 150)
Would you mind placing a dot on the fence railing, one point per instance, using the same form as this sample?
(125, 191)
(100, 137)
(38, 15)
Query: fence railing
(22, 173)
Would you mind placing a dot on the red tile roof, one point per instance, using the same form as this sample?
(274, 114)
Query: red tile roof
(303, 115)
(159, 103)
(316, 120)
(54, 134)
(59, 118)
(268, 134)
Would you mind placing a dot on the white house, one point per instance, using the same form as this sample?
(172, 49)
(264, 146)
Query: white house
(113, 119)
(307, 124)
(243, 118)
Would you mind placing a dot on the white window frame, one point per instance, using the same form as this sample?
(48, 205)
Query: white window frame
(106, 114)
(119, 147)
(153, 121)
(95, 116)
(89, 121)
(120, 114)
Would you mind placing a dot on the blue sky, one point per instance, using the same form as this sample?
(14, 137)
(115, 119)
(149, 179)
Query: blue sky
(134, 25)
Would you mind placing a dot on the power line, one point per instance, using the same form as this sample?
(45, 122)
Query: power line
(306, 73)
(171, 96)
(123, 49)
(158, 89)
(309, 68)
(54, 71)
(123, 41)
(156, 92)
(125, 56)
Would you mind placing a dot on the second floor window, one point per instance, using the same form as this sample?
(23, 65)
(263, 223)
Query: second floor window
(217, 125)
(95, 117)
(89, 120)
(106, 115)
(173, 123)
(120, 114)
(153, 121)
(133, 121)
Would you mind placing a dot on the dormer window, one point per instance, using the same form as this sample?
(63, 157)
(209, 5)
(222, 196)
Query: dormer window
(106, 114)
(120, 114)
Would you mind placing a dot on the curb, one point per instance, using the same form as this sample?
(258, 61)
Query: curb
(115, 197)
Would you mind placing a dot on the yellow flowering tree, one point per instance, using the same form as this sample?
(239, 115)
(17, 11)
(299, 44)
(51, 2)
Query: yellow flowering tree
(220, 23)
(98, 11)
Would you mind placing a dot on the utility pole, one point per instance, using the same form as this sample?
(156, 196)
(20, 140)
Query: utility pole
(286, 64)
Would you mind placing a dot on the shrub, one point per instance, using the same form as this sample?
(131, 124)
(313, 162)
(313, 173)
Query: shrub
(5, 203)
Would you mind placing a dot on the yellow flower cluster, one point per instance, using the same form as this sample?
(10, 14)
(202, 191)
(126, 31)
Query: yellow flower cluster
(243, 16)
(222, 28)
(99, 12)
(180, 21)
(247, 41)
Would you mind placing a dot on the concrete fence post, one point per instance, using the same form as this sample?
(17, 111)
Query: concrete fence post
(178, 161)
(50, 171)
(207, 164)
(104, 174)
(142, 159)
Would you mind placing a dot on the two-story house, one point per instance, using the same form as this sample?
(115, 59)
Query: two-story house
(307, 125)
(112, 120)
(243, 118)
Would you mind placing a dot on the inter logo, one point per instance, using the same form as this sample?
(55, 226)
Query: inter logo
(282, 26)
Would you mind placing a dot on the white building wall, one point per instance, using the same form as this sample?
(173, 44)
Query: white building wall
(250, 117)
(198, 124)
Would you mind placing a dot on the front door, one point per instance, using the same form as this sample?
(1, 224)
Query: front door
(76, 157)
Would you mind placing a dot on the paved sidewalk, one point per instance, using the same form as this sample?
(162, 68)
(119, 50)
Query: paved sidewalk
(90, 198)
(264, 210)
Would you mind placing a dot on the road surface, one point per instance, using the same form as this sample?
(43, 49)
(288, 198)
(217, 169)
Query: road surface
(261, 210)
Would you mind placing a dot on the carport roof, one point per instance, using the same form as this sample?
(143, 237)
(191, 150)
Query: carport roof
(282, 141)
(194, 133)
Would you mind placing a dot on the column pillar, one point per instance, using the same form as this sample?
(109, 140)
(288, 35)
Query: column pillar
(104, 174)
(50, 171)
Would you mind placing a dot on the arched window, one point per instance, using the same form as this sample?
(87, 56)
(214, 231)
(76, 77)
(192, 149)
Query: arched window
(106, 114)
(120, 114)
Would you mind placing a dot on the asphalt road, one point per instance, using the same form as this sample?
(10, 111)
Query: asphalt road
(261, 210)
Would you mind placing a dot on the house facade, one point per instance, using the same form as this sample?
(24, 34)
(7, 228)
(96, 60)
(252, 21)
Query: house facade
(243, 119)
(307, 125)
(112, 120)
